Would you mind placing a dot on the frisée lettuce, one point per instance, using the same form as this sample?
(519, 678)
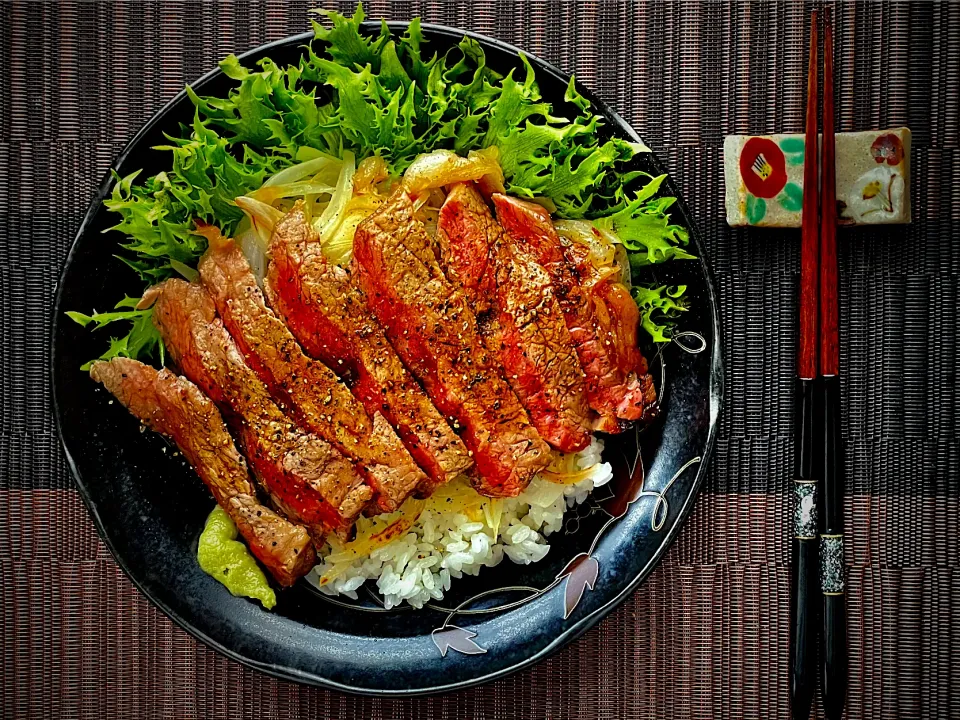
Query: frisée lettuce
(356, 94)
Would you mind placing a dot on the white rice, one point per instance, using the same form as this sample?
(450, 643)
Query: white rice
(440, 546)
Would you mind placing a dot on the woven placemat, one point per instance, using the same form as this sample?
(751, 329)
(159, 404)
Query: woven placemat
(706, 635)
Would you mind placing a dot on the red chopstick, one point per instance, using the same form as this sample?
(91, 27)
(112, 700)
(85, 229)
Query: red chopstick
(810, 241)
(805, 568)
(833, 680)
(829, 314)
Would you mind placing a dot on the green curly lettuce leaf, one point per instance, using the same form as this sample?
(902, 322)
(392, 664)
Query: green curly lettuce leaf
(659, 306)
(142, 339)
(643, 225)
(371, 92)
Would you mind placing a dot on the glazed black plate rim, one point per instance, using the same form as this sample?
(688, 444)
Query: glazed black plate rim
(578, 628)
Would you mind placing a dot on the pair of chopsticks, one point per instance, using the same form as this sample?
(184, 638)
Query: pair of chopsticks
(818, 546)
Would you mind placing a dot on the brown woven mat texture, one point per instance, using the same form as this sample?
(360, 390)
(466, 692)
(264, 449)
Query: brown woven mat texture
(706, 635)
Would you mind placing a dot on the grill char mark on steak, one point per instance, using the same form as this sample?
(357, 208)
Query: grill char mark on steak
(308, 478)
(601, 323)
(430, 324)
(321, 402)
(331, 320)
(526, 330)
(175, 407)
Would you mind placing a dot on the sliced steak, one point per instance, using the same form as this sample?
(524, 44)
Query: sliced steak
(319, 400)
(526, 330)
(619, 387)
(429, 322)
(331, 320)
(619, 325)
(311, 481)
(175, 407)
(467, 235)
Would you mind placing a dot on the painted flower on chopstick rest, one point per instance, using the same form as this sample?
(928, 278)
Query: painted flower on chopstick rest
(877, 191)
(887, 147)
(763, 167)
(871, 189)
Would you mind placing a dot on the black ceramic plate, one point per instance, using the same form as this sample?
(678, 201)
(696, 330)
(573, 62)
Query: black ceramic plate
(150, 509)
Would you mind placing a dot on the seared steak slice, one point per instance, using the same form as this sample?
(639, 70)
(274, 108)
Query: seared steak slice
(308, 478)
(619, 387)
(619, 326)
(429, 322)
(466, 235)
(320, 401)
(331, 320)
(175, 407)
(527, 331)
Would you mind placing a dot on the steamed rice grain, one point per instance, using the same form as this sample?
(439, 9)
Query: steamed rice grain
(444, 543)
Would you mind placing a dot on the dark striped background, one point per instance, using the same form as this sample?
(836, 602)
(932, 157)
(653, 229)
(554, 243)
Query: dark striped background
(706, 635)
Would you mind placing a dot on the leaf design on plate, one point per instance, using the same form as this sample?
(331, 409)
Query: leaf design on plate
(581, 574)
(628, 475)
(456, 638)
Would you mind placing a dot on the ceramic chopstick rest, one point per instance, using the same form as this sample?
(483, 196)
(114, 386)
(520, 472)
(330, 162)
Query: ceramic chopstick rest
(763, 175)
